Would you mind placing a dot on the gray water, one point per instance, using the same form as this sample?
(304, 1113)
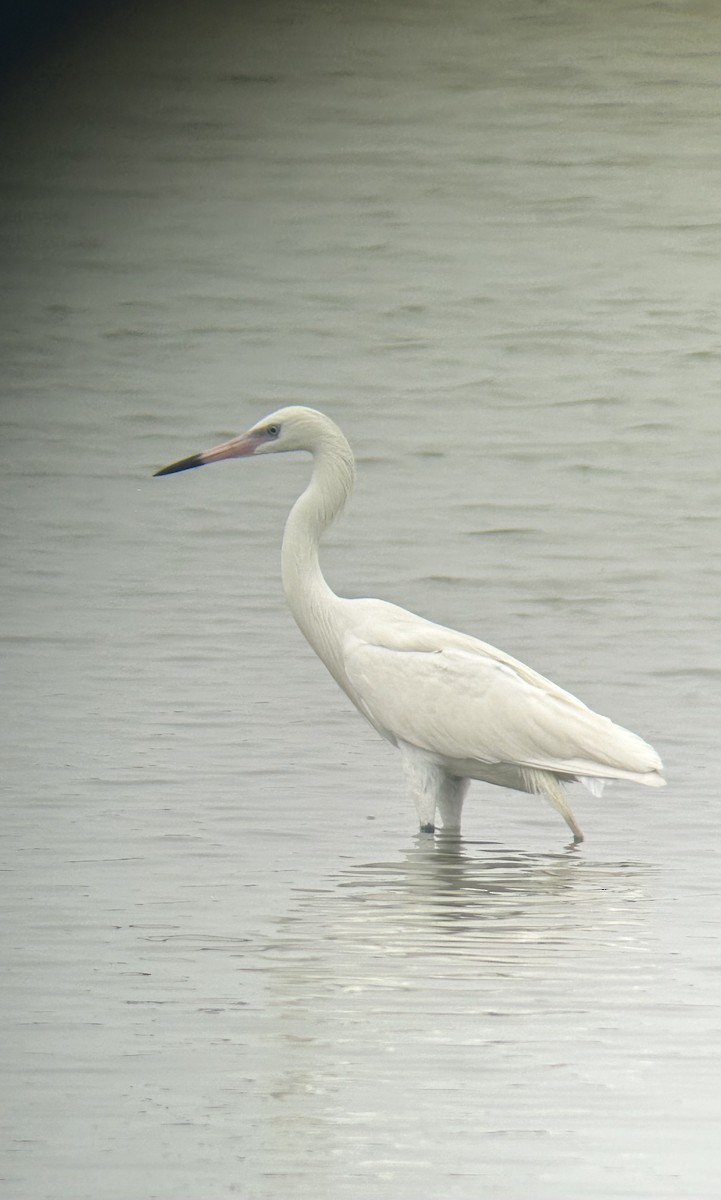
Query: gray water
(480, 236)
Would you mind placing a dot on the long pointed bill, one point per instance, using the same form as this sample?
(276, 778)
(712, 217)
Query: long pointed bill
(239, 447)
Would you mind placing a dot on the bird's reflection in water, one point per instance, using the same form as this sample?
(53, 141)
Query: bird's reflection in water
(450, 896)
(397, 989)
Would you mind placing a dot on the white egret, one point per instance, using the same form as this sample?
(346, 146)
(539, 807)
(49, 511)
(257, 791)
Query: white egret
(455, 707)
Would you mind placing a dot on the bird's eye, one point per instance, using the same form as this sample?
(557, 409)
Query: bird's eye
(272, 431)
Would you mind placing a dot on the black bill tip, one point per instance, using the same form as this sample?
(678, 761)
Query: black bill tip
(185, 464)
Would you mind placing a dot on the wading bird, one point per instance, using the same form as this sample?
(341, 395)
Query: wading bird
(456, 708)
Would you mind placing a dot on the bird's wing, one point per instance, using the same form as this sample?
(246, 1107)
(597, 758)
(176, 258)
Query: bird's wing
(466, 701)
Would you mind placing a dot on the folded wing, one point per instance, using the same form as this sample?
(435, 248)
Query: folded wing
(465, 701)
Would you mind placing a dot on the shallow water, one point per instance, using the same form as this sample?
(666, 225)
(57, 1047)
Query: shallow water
(484, 245)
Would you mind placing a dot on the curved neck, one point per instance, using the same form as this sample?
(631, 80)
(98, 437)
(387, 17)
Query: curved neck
(309, 597)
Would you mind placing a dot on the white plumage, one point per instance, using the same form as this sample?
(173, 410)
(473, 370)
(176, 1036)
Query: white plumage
(456, 708)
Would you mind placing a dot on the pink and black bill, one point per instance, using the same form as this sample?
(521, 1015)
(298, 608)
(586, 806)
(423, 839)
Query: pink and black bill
(185, 464)
(239, 447)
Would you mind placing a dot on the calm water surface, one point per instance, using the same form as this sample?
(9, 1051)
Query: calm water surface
(482, 240)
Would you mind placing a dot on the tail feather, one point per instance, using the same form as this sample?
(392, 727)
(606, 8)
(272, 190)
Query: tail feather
(596, 785)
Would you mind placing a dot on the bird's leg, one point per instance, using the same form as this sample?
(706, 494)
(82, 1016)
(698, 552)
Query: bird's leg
(553, 792)
(449, 802)
(431, 787)
(425, 821)
(421, 774)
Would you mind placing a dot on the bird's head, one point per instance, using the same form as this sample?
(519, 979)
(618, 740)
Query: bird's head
(293, 428)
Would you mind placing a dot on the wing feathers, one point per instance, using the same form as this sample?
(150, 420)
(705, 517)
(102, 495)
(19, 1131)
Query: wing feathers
(467, 701)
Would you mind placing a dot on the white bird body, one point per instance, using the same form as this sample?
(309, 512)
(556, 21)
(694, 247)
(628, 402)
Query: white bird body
(457, 708)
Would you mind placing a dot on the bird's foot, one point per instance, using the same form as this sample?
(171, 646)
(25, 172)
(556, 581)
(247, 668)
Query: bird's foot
(429, 827)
